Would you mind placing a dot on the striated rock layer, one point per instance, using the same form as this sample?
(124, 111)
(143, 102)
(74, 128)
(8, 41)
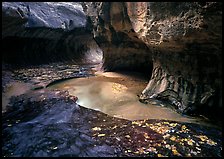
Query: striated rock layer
(114, 34)
(46, 32)
(179, 44)
(181, 39)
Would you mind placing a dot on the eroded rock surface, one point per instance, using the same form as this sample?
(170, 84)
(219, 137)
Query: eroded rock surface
(112, 30)
(47, 32)
(181, 39)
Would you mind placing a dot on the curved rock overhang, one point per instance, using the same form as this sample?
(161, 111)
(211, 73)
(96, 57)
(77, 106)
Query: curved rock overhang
(182, 40)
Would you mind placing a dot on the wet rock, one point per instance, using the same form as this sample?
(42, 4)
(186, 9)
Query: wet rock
(86, 138)
(43, 134)
(174, 38)
(75, 150)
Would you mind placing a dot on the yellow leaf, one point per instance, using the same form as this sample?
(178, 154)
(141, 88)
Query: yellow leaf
(190, 142)
(159, 155)
(165, 122)
(175, 152)
(146, 136)
(100, 135)
(183, 127)
(202, 137)
(96, 129)
(173, 124)
(210, 142)
(173, 138)
(136, 123)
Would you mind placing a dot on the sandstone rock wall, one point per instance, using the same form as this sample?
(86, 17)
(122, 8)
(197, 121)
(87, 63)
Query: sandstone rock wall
(181, 39)
(43, 32)
(113, 31)
(178, 43)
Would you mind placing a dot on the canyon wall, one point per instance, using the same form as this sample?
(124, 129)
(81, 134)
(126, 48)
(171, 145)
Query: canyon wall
(178, 44)
(183, 40)
(114, 34)
(34, 33)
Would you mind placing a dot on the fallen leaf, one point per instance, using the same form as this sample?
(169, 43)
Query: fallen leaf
(211, 142)
(166, 136)
(96, 129)
(159, 124)
(166, 122)
(173, 124)
(152, 149)
(160, 155)
(183, 127)
(202, 137)
(129, 150)
(136, 123)
(190, 142)
(173, 138)
(182, 143)
(127, 136)
(168, 146)
(175, 152)
(114, 127)
(146, 136)
(100, 135)
(117, 138)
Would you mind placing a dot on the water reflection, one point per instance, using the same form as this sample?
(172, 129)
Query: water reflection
(118, 98)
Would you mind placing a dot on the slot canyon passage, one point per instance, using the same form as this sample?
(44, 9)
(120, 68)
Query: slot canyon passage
(111, 79)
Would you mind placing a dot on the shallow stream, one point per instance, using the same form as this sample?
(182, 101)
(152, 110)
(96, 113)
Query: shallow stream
(115, 94)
